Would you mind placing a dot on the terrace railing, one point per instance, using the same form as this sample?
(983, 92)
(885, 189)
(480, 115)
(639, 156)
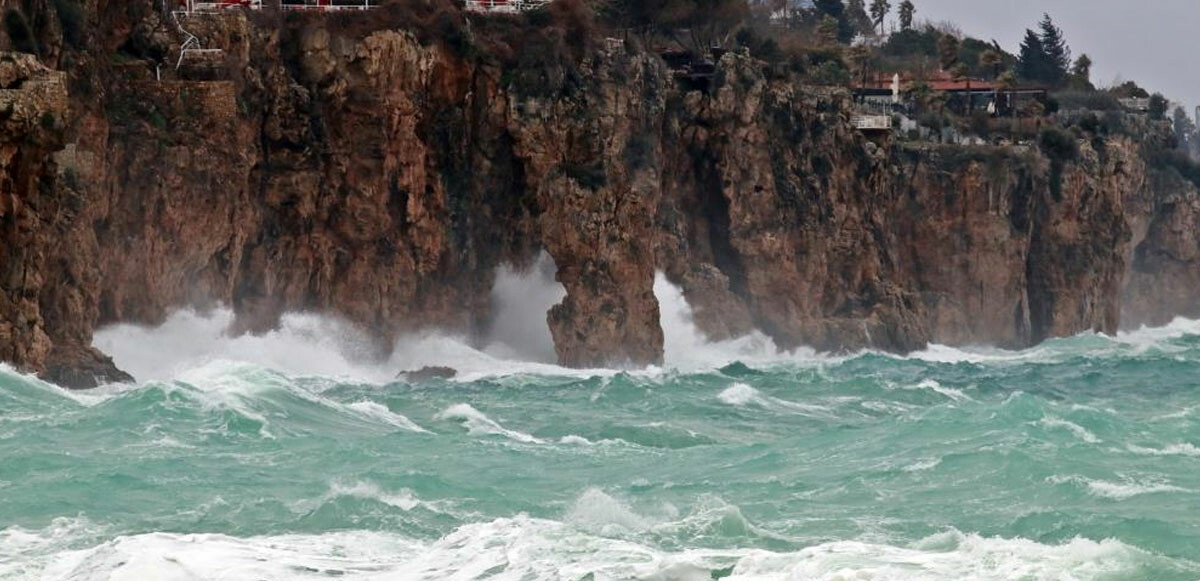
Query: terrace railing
(505, 6)
(321, 5)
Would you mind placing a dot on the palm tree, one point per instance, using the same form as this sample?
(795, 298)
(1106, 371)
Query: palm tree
(907, 10)
(1083, 69)
(992, 60)
(947, 47)
(879, 11)
(1005, 83)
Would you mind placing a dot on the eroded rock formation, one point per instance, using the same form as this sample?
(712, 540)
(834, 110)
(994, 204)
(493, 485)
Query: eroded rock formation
(356, 165)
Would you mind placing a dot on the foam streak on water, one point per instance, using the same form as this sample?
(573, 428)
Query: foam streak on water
(289, 456)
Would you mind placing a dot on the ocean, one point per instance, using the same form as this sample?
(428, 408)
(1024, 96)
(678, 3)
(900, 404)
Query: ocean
(284, 457)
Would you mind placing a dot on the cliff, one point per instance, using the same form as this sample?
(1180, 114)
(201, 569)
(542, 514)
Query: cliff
(381, 166)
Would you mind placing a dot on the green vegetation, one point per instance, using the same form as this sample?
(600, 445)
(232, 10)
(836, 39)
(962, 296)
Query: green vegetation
(1061, 147)
(1179, 162)
(1045, 56)
(19, 32)
(907, 12)
(73, 21)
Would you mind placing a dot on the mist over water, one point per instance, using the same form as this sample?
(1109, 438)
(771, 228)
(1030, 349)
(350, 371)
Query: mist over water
(294, 456)
(521, 301)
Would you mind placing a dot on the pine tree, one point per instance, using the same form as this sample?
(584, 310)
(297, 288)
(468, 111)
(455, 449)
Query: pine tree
(907, 11)
(1031, 65)
(1057, 53)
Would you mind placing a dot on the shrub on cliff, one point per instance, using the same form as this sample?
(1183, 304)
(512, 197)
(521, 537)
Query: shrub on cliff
(1177, 161)
(696, 25)
(19, 32)
(540, 51)
(73, 21)
(1084, 99)
(1061, 147)
(1058, 145)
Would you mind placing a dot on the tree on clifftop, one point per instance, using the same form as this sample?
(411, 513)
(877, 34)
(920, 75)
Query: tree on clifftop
(1081, 71)
(992, 60)
(1045, 57)
(947, 52)
(879, 11)
(1031, 64)
(907, 11)
(1058, 54)
(836, 9)
(856, 12)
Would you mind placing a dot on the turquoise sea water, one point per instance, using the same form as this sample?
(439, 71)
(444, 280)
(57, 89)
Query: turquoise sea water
(1079, 459)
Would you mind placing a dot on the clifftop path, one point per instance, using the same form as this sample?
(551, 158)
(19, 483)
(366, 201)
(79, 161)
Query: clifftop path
(381, 166)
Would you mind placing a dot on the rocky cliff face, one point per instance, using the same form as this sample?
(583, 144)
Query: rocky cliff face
(351, 165)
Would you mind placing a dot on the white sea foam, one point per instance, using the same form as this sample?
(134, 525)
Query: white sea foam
(1182, 449)
(742, 395)
(923, 465)
(305, 345)
(521, 300)
(739, 394)
(1156, 336)
(517, 344)
(932, 385)
(686, 348)
(380, 412)
(1079, 431)
(524, 548)
(479, 424)
(1118, 490)
(403, 499)
(596, 511)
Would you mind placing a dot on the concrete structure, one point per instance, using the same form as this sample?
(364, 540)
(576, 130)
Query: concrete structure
(1136, 104)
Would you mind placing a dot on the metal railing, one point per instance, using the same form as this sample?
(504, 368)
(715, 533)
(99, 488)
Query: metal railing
(871, 122)
(505, 6)
(319, 5)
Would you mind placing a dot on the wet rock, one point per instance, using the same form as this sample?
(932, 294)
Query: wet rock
(426, 374)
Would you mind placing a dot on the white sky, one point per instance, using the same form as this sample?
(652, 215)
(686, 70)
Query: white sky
(1153, 42)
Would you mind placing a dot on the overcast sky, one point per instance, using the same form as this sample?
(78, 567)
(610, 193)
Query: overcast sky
(1153, 42)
